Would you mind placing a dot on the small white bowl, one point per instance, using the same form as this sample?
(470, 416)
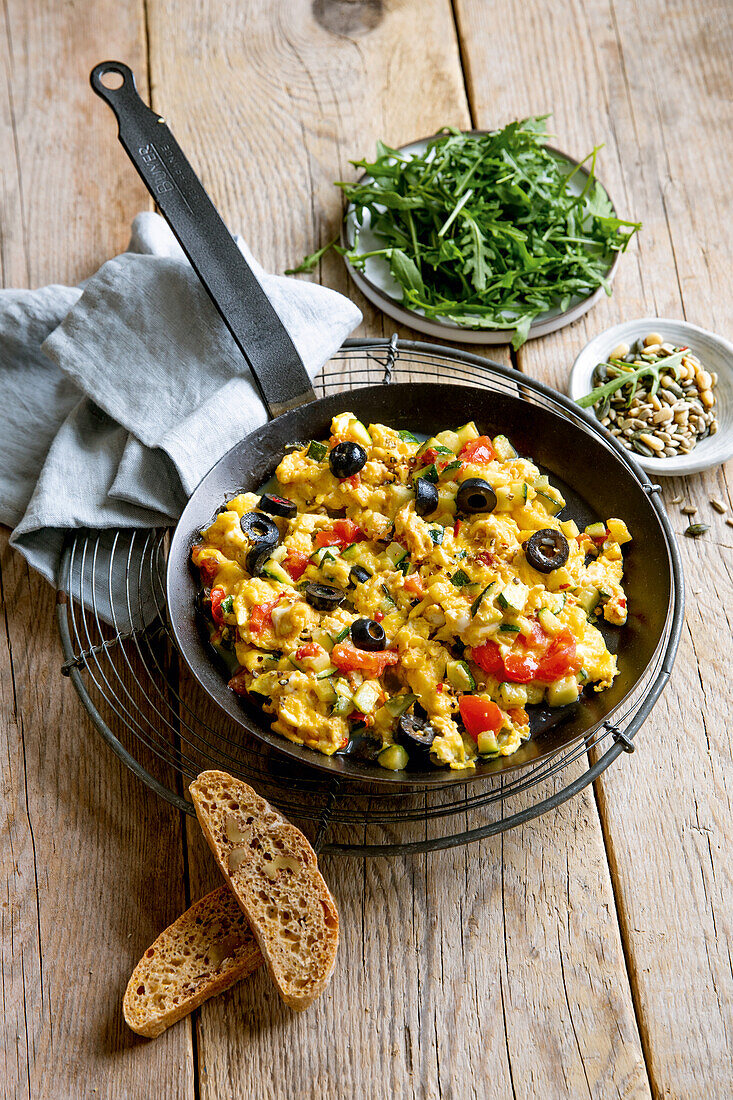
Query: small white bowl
(715, 354)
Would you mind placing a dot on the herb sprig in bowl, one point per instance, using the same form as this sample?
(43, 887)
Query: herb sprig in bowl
(485, 230)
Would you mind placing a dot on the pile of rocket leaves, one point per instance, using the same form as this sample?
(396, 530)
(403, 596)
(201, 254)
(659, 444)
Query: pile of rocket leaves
(485, 230)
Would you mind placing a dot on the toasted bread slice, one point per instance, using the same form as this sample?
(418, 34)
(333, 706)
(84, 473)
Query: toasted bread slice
(204, 952)
(274, 875)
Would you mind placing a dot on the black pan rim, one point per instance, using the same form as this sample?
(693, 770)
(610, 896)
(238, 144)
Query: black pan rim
(669, 636)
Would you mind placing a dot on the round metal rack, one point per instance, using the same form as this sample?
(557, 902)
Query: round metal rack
(120, 656)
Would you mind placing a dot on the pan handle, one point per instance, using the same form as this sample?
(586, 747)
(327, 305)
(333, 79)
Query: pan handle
(226, 276)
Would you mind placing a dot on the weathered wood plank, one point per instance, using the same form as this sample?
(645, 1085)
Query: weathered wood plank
(82, 841)
(665, 812)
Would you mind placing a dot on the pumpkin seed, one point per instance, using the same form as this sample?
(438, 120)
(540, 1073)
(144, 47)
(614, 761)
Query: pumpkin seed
(696, 529)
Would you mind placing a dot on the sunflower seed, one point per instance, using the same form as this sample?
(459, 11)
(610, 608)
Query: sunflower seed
(688, 510)
(718, 505)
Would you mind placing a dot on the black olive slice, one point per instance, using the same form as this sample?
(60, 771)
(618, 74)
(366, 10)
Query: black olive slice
(546, 550)
(323, 597)
(278, 506)
(260, 528)
(359, 574)
(475, 495)
(346, 459)
(257, 556)
(203, 602)
(368, 634)
(415, 732)
(426, 497)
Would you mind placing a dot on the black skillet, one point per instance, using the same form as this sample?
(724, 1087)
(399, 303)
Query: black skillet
(582, 466)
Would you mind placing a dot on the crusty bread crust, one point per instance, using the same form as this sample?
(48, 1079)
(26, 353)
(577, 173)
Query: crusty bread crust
(273, 872)
(207, 950)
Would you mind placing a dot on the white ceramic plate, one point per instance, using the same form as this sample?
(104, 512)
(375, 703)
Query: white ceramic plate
(377, 283)
(715, 353)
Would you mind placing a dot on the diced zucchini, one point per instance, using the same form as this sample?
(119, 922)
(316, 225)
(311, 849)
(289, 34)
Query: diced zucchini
(551, 500)
(487, 743)
(359, 433)
(386, 604)
(535, 694)
(541, 482)
(401, 495)
(448, 439)
(512, 695)
(549, 622)
(562, 692)
(336, 638)
(436, 534)
(342, 706)
(596, 530)
(459, 676)
(275, 572)
(342, 688)
(325, 690)
(325, 673)
(316, 451)
(588, 599)
(407, 437)
(460, 578)
(618, 531)
(509, 628)
(583, 675)
(430, 473)
(351, 552)
(569, 528)
(513, 596)
(394, 758)
(448, 470)
(395, 552)
(318, 555)
(398, 704)
(446, 501)
(226, 605)
(504, 449)
(490, 588)
(466, 434)
(323, 639)
(366, 697)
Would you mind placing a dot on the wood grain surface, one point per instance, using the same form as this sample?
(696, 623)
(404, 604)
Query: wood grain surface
(584, 954)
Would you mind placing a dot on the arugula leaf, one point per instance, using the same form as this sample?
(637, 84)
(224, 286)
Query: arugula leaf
(309, 263)
(485, 230)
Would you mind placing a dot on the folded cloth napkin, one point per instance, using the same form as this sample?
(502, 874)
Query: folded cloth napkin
(121, 394)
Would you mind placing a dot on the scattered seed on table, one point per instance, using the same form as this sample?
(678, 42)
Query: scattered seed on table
(729, 522)
(676, 500)
(718, 505)
(696, 529)
(688, 510)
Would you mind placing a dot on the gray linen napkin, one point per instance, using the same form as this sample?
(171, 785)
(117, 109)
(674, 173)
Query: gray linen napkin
(120, 396)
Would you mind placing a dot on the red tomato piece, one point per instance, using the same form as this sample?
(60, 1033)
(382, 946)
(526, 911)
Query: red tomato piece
(217, 595)
(343, 533)
(479, 715)
(347, 658)
(520, 668)
(296, 563)
(378, 616)
(207, 566)
(427, 457)
(478, 450)
(261, 616)
(487, 558)
(415, 585)
(560, 659)
(308, 650)
(488, 657)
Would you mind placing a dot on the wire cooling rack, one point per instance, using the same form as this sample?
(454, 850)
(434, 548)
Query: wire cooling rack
(120, 656)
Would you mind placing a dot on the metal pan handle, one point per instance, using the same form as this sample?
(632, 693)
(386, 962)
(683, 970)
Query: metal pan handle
(226, 276)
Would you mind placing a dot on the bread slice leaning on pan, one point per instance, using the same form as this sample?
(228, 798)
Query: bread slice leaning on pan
(274, 874)
(207, 950)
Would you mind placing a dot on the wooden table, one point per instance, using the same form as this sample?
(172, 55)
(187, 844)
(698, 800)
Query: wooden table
(586, 954)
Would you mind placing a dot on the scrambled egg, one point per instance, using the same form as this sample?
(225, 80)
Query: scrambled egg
(474, 632)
